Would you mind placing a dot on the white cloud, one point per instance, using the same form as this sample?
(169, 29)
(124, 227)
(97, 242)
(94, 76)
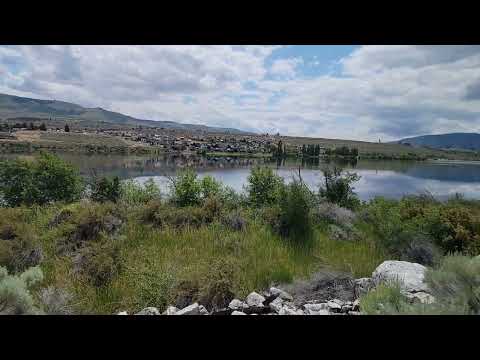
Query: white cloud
(384, 91)
(285, 68)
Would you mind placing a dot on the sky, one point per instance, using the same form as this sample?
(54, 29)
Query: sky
(366, 93)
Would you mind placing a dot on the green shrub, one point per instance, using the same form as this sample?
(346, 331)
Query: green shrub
(385, 299)
(456, 283)
(295, 204)
(132, 193)
(210, 187)
(15, 296)
(186, 189)
(44, 180)
(163, 215)
(337, 188)
(99, 262)
(105, 189)
(263, 186)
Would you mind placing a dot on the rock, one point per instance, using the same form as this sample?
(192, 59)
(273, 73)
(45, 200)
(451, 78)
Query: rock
(334, 306)
(289, 310)
(238, 313)
(122, 313)
(356, 305)
(255, 300)
(202, 310)
(193, 309)
(354, 313)
(346, 308)
(276, 305)
(226, 311)
(337, 233)
(171, 310)
(409, 275)
(281, 294)
(362, 286)
(149, 311)
(316, 309)
(238, 305)
(420, 297)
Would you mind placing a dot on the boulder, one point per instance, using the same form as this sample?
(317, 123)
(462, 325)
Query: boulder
(122, 313)
(420, 297)
(335, 305)
(255, 300)
(238, 313)
(356, 305)
(362, 286)
(193, 309)
(316, 309)
(225, 311)
(279, 293)
(409, 275)
(276, 305)
(171, 310)
(290, 310)
(238, 305)
(149, 311)
(203, 310)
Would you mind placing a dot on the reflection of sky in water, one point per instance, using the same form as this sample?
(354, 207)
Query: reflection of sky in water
(373, 183)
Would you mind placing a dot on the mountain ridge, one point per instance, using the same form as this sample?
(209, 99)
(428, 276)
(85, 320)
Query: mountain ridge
(12, 106)
(450, 141)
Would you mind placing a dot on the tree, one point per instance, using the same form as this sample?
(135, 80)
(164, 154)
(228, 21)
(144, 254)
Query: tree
(338, 189)
(43, 127)
(45, 180)
(67, 128)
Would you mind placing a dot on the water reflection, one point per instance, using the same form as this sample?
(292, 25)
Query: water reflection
(378, 177)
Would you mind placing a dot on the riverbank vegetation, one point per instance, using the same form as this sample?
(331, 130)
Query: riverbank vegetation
(106, 245)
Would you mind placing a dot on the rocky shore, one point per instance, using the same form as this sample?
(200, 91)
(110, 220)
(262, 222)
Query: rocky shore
(277, 301)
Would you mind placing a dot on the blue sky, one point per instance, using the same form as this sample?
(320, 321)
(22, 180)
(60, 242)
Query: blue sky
(354, 92)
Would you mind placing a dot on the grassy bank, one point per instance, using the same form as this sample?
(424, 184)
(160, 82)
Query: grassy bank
(125, 246)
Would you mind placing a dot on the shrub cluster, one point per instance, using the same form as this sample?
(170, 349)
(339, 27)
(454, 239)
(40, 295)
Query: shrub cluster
(45, 180)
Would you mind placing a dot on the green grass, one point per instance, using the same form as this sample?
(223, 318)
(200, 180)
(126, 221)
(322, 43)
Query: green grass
(155, 260)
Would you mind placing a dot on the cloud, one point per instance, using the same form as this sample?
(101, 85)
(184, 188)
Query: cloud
(285, 68)
(383, 92)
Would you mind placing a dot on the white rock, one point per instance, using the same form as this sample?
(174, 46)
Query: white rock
(171, 310)
(312, 309)
(122, 313)
(238, 313)
(362, 286)
(255, 299)
(149, 311)
(334, 306)
(420, 297)
(287, 310)
(276, 304)
(202, 310)
(279, 293)
(193, 309)
(409, 275)
(236, 304)
(356, 305)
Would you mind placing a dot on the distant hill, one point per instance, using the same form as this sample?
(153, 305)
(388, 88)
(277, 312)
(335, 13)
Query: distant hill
(16, 107)
(453, 141)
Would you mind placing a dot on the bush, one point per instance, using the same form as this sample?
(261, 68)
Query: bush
(295, 203)
(15, 297)
(55, 301)
(385, 299)
(338, 188)
(99, 262)
(105, 189)
(422, 251)
(210, 187)
(163, 215)
(45, 180)
(132, 193)
(186, 189)
(456, 283)
(263, 186)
